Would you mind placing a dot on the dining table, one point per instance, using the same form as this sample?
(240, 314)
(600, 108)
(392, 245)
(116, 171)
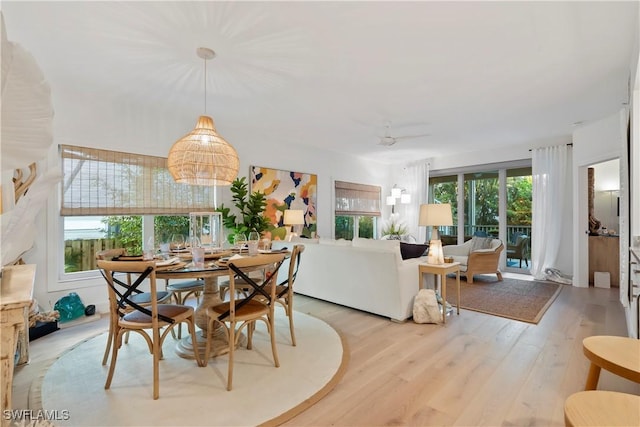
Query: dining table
(214, 267)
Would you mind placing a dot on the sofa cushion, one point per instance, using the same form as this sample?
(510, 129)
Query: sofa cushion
(339, 242)
(480, 243)
(385, 245)
(412, 250)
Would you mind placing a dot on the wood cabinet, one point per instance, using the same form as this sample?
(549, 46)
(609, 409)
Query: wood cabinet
(604, 255)
(16, 292)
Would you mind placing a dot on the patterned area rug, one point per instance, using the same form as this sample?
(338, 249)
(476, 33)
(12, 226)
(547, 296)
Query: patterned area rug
(523, 300)
(190, 395)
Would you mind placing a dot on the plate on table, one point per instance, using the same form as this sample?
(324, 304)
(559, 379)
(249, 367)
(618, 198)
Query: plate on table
(180, 251)
(224, 261)
(273, 251)
(168, 267)
(166, 262)
(211, 255)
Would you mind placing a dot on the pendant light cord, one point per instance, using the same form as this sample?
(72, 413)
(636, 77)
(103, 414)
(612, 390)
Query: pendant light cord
(205, 86)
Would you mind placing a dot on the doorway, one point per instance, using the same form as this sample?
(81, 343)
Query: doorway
(604, 241)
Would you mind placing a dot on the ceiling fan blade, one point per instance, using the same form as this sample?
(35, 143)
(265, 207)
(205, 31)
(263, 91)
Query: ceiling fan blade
(422, 135)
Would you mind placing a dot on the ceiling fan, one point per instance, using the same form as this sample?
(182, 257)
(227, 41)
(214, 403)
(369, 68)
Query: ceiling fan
(388, 140)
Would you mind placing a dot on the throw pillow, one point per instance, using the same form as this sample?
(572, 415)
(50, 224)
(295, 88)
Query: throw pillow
(480, 243)
(412, 250)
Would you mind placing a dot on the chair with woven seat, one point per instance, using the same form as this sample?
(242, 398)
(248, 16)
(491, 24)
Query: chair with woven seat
(284, 289)
(181, 291)
(242, 313)
(139, 297)
(160, 319)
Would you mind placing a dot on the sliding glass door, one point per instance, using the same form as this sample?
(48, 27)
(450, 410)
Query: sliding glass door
(480, 209)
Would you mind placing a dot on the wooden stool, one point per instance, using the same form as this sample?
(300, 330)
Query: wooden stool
(619, 355)
(602, 408)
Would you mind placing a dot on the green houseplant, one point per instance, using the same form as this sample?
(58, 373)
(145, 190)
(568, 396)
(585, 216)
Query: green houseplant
(250, 207)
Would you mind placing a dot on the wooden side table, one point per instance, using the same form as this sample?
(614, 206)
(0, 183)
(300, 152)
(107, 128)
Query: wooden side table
(442, 270)
(619, 355)
(602, 408)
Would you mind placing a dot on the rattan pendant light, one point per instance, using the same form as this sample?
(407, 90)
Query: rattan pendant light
(203, 157)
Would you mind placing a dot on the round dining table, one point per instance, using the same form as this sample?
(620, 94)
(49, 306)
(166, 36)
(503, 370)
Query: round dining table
(209, 273)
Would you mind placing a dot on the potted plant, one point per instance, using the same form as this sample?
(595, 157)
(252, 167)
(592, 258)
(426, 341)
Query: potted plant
(394, 228)
(249, 210)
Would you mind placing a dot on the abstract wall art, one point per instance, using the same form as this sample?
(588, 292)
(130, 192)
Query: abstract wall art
(286, 190)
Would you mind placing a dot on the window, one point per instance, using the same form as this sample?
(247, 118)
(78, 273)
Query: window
(481, 203)
(112, 199)
(357, 209)
(444, 189)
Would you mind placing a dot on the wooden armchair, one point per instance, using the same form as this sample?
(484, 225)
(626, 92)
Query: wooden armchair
(476, 260)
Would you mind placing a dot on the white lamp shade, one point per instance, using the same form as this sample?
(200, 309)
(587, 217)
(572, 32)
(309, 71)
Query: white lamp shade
(435, 214)
(293, 217)
(391, 200)
(405, 198)
(396, 192)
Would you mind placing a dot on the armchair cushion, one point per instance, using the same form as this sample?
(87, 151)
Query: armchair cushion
(480, 243)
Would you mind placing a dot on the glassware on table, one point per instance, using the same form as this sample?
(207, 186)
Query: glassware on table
(197, 252)
(149, 250)
(239, 241)
(252, 242)
(177, 242)
(264, 244)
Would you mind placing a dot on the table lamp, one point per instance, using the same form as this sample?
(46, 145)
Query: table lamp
(435, 215)
(295, 219)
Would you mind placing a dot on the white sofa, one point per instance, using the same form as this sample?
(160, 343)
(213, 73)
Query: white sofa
(364, 274)
(476, 256)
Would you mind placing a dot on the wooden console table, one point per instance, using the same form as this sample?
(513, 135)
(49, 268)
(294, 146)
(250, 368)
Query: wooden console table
(442, 270)
(16, 294)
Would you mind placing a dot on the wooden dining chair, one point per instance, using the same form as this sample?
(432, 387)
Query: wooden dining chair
(160, 319)
(140, 297)
(242, 313)
(181, 291)
(284, 289)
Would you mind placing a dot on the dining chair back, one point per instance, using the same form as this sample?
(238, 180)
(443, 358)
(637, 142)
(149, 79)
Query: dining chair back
(284, 289)
(237, 314)
(139, 297)
(153, 321)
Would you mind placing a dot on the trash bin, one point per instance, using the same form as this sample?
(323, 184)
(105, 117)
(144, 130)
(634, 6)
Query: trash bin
(601, 279)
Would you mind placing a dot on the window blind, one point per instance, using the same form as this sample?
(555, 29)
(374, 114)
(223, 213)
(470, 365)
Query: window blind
(357, 199)
(103, 182)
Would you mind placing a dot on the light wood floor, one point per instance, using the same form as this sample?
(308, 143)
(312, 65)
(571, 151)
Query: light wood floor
(476, 370)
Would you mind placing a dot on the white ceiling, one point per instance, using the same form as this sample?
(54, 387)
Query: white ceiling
(472, 75)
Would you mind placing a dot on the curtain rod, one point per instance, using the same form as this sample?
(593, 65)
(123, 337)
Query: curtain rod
(569, 144)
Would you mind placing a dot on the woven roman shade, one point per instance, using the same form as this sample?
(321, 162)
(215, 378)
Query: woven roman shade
(357, 199)
(103, 182)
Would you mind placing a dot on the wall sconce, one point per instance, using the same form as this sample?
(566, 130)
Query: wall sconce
(398, 193)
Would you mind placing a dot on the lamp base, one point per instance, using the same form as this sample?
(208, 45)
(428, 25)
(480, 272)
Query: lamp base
(435, 256)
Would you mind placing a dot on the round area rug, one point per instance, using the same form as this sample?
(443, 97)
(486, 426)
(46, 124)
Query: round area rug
(192, 395)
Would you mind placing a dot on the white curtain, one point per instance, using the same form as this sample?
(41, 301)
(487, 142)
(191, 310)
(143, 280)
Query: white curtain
(551, 178)
(417, 175)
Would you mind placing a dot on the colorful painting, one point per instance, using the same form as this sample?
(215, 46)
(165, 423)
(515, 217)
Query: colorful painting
(286, 190)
